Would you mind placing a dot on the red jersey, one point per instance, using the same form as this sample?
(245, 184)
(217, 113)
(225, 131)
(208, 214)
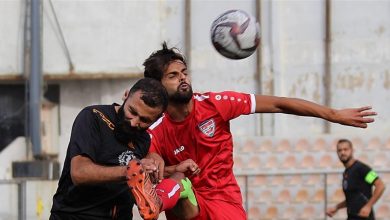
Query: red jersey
(205, 137)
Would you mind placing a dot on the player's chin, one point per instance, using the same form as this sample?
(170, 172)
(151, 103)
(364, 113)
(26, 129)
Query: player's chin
(183, 90)
(344, 159)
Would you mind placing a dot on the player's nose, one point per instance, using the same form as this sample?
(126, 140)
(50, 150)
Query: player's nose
(182, 76)
(134, 122)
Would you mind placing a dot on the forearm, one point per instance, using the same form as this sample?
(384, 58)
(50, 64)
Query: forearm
(341, 205)
(273, 104)
(84, 171)
(378, 191)
(306, 108)
(169, 170)
(356, 117)
(99, 174)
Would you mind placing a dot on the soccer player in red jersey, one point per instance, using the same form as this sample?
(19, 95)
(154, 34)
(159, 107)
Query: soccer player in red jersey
(196, 127)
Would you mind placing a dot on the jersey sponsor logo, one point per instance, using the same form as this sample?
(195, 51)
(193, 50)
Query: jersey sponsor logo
(207, 127)
(218, 97)
(104, 118)
(178, 150)
(125, 157)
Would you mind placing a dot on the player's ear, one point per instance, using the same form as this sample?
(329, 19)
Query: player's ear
(124, 97)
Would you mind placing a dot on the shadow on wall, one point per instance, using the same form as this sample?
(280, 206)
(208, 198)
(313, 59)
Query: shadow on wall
(13, 110)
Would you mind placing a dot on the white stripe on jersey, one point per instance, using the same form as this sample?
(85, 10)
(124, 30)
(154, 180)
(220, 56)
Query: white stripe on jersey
(253, 103)
(156, 123)
(201, 97)
(174, 190)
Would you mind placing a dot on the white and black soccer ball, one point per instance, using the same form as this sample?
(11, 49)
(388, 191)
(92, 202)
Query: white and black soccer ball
(235, 34)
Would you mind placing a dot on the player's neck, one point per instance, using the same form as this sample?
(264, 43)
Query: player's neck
(179, 112)
(349, 163)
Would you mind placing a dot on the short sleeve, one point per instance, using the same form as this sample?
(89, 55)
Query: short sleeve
(154, 146)
(369, 175)
(233, 104)
(85, 136)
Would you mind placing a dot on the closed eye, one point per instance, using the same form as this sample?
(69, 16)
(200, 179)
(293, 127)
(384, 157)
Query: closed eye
(172, 75)
(133, 111)
(143, 119)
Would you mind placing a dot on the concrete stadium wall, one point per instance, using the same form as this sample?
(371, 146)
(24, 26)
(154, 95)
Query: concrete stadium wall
(115, 37)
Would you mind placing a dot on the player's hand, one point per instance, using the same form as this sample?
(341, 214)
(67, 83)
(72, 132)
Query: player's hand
(356, 117)
(149, 165)
(365, 211)
(331, 212)
(159, 163)
(188, 166)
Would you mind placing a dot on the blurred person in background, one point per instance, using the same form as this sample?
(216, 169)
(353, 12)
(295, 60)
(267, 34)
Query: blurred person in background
(197, 127)
(358, 181)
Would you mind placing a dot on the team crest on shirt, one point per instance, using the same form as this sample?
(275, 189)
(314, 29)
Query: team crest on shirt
(207, 127)
(125, 157)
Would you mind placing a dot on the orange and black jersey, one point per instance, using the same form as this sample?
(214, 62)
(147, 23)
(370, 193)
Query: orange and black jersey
(93, 136)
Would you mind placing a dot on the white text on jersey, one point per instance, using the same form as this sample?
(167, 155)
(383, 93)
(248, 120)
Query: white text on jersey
(178, 150)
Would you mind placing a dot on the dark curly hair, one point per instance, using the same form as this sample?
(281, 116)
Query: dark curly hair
(153, 93)
(158, 61)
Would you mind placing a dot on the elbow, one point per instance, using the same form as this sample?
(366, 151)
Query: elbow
(79, 170)
(380, 187)
(383, 187)
(77, 177)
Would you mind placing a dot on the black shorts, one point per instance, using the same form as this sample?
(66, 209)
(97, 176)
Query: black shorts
(352, 217)
(72, 216)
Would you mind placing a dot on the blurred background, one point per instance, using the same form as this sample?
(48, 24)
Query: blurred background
(58, 56)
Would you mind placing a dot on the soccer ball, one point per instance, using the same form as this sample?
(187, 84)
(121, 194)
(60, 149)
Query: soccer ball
(235, 34)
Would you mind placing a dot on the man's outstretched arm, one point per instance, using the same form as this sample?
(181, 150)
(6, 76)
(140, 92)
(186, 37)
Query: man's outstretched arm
(356, 117)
